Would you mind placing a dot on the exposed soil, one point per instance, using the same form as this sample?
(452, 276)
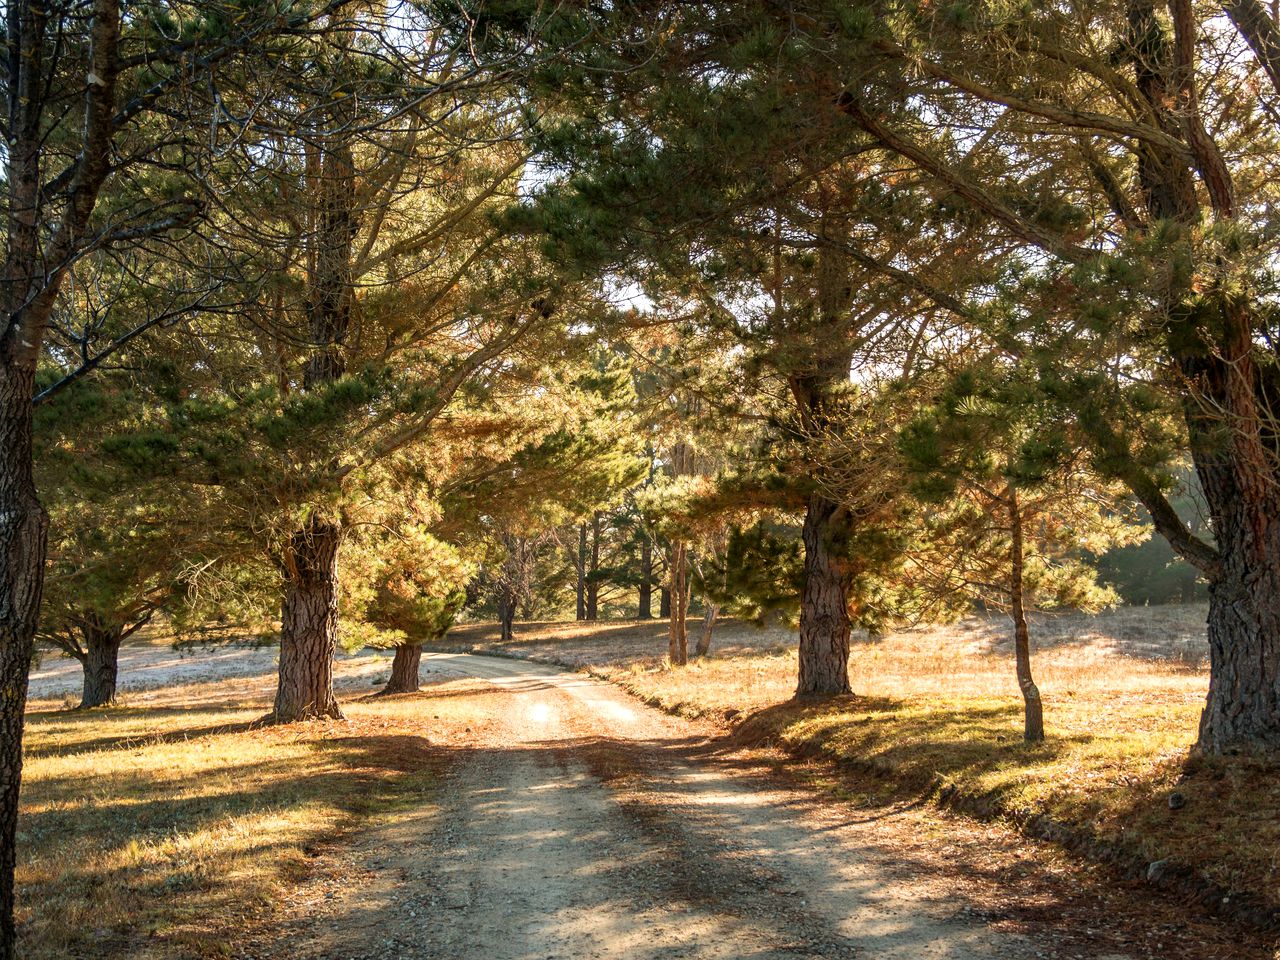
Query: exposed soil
(574, 822)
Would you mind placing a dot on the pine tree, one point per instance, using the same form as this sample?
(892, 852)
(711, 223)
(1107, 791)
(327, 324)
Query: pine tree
(402, 589)
(1015, 508)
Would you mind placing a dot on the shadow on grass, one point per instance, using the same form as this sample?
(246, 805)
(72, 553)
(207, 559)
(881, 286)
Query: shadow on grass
(143, 859)
(42, 721)
(919, 745)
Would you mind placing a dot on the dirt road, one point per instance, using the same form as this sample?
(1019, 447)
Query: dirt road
(575, 823)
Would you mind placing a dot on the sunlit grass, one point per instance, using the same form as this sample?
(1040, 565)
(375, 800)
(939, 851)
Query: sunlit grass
(940, 706)
(151, 832)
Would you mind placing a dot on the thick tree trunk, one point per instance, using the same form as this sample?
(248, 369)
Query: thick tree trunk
(1242, 711)
(1033, 707)
(824, 597)
(582, 571)
(309, 619)
(23, 537)
(1228, 403)
(309, 624)
(404, 669)
(824, 610)
(677, 626)
(708, 627)
(646, 580)
(664, 602)
(101, 664)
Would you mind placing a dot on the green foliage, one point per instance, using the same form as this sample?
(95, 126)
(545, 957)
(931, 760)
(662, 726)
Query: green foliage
(990, 451)
(405, 586)
(759, 576)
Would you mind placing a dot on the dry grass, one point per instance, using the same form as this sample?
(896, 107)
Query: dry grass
(157, 831)
(940, 705)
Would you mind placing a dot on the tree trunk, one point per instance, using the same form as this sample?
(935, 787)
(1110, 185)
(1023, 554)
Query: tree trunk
(23, 538)
(664, 602)
(646, 580)
(593, 580)
(824, 610)
(309, 624)
(100, 662)
(1187, 586)
(506, 616)
(404, 669)
(824, 597)
(1227, 405)
(1242, 711)
(33, 272)
(1033, 707)
(582, 571)
(708, 626)
(677, 627)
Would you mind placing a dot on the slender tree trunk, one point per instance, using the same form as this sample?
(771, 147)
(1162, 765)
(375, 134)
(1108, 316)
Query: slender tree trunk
(506, 615)
(677, 627)
(593, 572)
(1033, 707)
(1187, 587)
(23, 537)
(35, 263)
(708, 626)
(824, 609)
(646, 580)
(309, 624)
(582, 571)
(404, 669)
(101, 665)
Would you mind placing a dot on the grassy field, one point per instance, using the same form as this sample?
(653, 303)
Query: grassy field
(159, 830)
(937, 709)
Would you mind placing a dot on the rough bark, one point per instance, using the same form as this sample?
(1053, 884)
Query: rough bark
(1033, 707)
(677, 626)
(32, 276)
(404, 669)
(309, 624)
(1242, 710)
(824, 610)
(23, 534)
(824, 598)
(101, 664)
(1225, 408)
(708, 627)
(646, 580)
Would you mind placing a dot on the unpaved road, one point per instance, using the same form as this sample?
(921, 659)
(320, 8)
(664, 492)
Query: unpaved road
(576, 823)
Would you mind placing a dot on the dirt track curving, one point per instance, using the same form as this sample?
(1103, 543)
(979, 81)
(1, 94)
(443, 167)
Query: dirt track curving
(576, 823)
